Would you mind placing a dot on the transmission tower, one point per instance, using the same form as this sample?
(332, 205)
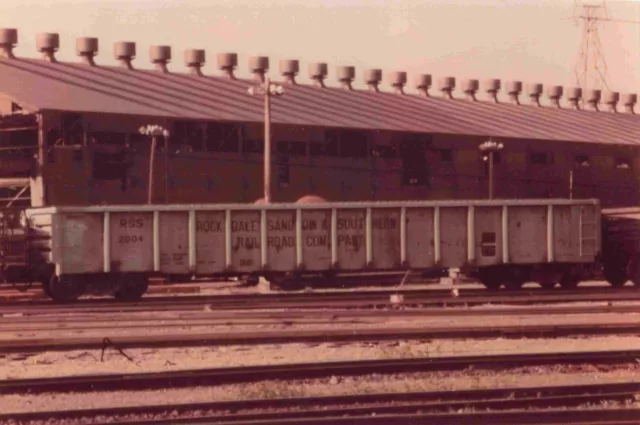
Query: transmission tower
(591, 67)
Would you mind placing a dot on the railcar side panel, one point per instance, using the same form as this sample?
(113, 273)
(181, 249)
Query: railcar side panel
(131, 242)
(527, 234)
(453, 236)
(174, 242)
(210, 242)
(351, 238)
(245, 241)
(316, 239)
(487, 233)
(385, 238)
(421, 250)
(281, 240)
(566, 222)
(79, 245)
(588, 232)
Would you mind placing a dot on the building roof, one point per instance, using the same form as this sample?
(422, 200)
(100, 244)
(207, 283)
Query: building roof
(42, 85)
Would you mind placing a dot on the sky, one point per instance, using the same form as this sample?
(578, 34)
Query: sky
(527, 40)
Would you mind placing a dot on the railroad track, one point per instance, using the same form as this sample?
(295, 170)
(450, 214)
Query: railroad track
(342, 334)
(218, 376)
(324, 300)
(289, 317)
(354, 406)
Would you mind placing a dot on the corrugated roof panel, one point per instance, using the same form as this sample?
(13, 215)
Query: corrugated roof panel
(77, 87)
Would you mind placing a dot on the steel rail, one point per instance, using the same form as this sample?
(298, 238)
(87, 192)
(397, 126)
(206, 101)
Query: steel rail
(386, 403)
(217, 376)
(346, 300)
(232, 317)
(316, 335)
(341, 293)
(520, 417)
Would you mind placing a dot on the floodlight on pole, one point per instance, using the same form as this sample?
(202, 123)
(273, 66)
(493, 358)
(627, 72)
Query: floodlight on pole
(267, 89)
(153, 131)
(490, 147)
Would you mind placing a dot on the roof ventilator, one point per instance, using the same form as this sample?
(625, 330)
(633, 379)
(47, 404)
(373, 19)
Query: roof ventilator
(470, 87)
(160, 57)
(289, 68)
(534, 91)
(227, 63)
(423, 82)
(611, 99)
(514, 88)
(446, 86)
(629, 100)
(492, 87)
(124, 52)
(372, 78)
(48, 44)
(87, 49)
(195, 59)
(259, 65)
(8, 40)
(398, 80)
(574, 94)
(554, 93)
(593, 98)
(318, 72)
(346, 74)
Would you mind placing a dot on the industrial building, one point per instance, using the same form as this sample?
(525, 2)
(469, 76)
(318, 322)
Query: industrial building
(69, 133)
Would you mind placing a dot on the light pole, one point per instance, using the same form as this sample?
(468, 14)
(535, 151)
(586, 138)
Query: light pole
(267, 90)
(154, 131)
(490, 147)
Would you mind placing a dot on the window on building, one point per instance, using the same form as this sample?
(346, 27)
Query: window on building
(354, 144)
(291, 148)
(283, 170)
(385, 151)
(328, 147)
(253, 146)
(582, 161)
(222, 137)
(414, 163)
(71, 129)
(187, 136)
(110, 166)
(623, 164)
(540, 158)
(110, 139)
(446, 155)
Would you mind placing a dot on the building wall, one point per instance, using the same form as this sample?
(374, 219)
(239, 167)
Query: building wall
(454, 168)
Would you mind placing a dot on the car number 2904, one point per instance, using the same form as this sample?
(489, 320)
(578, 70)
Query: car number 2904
(130, 239)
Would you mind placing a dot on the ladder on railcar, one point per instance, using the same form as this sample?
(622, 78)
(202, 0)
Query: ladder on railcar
(14, 245)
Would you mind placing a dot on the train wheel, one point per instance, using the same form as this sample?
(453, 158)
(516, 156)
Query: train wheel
(492, 285)
(132, 288)
(547, 284)
(633, 270)
(513, 285)
(64, 288)
(568, 281)
(615, 275)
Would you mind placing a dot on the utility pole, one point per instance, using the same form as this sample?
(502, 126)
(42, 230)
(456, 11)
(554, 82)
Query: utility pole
(267, 90)
(490, 148)
(154, 131)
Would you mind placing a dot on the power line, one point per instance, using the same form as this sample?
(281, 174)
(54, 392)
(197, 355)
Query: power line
(591, 69)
